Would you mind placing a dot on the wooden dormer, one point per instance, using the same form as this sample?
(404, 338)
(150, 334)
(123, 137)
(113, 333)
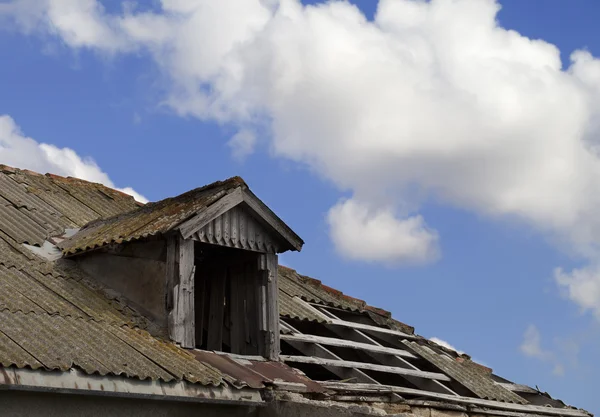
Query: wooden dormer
(214, 249)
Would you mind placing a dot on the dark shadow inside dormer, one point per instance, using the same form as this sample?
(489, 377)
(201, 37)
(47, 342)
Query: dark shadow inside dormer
(226, 293)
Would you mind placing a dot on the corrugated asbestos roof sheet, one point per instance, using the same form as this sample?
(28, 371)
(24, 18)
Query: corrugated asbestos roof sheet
(51, 316)
(466, 374)
(151, 219)
(292, 284)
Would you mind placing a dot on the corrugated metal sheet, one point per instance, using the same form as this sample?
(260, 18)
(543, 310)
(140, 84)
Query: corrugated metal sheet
(479, 383)
(151, 219)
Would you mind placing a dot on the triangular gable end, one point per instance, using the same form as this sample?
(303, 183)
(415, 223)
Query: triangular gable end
(240, 220)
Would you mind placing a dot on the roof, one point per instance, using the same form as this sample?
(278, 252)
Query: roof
(55, 318)
(175, 213)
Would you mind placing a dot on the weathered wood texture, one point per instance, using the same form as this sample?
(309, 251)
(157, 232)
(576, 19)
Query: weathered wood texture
(237, 228)
(533, 409)
(330, 341)
(219, 207)
(180, 276)
(269, 305)
(366, 366)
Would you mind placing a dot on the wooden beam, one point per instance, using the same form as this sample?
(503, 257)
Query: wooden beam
(207, 214)
(185, 315)
(359, 336)
(534, 409)
(375, 329)
(366, 366)
(269, 305)
(330, 341)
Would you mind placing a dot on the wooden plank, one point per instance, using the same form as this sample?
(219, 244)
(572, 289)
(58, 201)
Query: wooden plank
(236, 308)
(330, 341)
(200, 305)
(272, 344)
(375, 329)
(359, 336)
(184, 310)
(215, 316)
(272, 220)
(171, 271)
(207, 214)
(374, 388)
(254, 341)
(366, 366)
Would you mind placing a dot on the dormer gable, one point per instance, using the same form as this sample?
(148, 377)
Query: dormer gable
(202, 265)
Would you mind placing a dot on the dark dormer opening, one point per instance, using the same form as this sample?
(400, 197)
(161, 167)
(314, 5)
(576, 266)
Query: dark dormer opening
(202, 266)
(229, 285)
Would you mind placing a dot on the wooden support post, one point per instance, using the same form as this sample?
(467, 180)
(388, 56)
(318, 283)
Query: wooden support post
(269, 305)
(180, 277)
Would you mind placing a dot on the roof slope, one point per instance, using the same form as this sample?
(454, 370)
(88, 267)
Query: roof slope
(53, 317)
(151, 219)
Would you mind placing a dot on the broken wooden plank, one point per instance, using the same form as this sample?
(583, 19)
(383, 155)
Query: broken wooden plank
(330, 341)
(366, 366)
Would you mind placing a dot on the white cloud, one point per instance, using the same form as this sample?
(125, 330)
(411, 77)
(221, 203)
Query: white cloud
(532, 347)
(359, 233)
(242, 144)
(431, 100)
(23, 152)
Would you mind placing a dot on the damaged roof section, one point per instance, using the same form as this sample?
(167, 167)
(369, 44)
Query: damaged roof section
(56, 320)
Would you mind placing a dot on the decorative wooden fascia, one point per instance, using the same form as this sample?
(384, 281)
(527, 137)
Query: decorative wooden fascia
(258, 208)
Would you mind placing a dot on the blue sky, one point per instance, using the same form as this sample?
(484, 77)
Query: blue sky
(436, 164)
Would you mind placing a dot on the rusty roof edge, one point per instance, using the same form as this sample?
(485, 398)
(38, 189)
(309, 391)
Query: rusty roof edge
(77, 382)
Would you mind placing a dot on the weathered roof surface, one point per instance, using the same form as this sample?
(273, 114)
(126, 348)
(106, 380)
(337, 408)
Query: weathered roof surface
(466, 373)
(292, 284)
(53, 317)
(149, 220)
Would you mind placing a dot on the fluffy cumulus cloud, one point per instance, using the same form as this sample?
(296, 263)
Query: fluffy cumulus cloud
(18, 150)
(430, 100)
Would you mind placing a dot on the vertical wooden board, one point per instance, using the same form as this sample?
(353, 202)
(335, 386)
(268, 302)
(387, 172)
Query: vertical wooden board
(250, 232)
(218, 229)
(210, 232)
(200, 296)
(215, 316)
(185, 316)
(236, 309)
(242, 218)
(170, 272)
(235, 232)
(254, 344)
(272, 342)
(227, 228)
